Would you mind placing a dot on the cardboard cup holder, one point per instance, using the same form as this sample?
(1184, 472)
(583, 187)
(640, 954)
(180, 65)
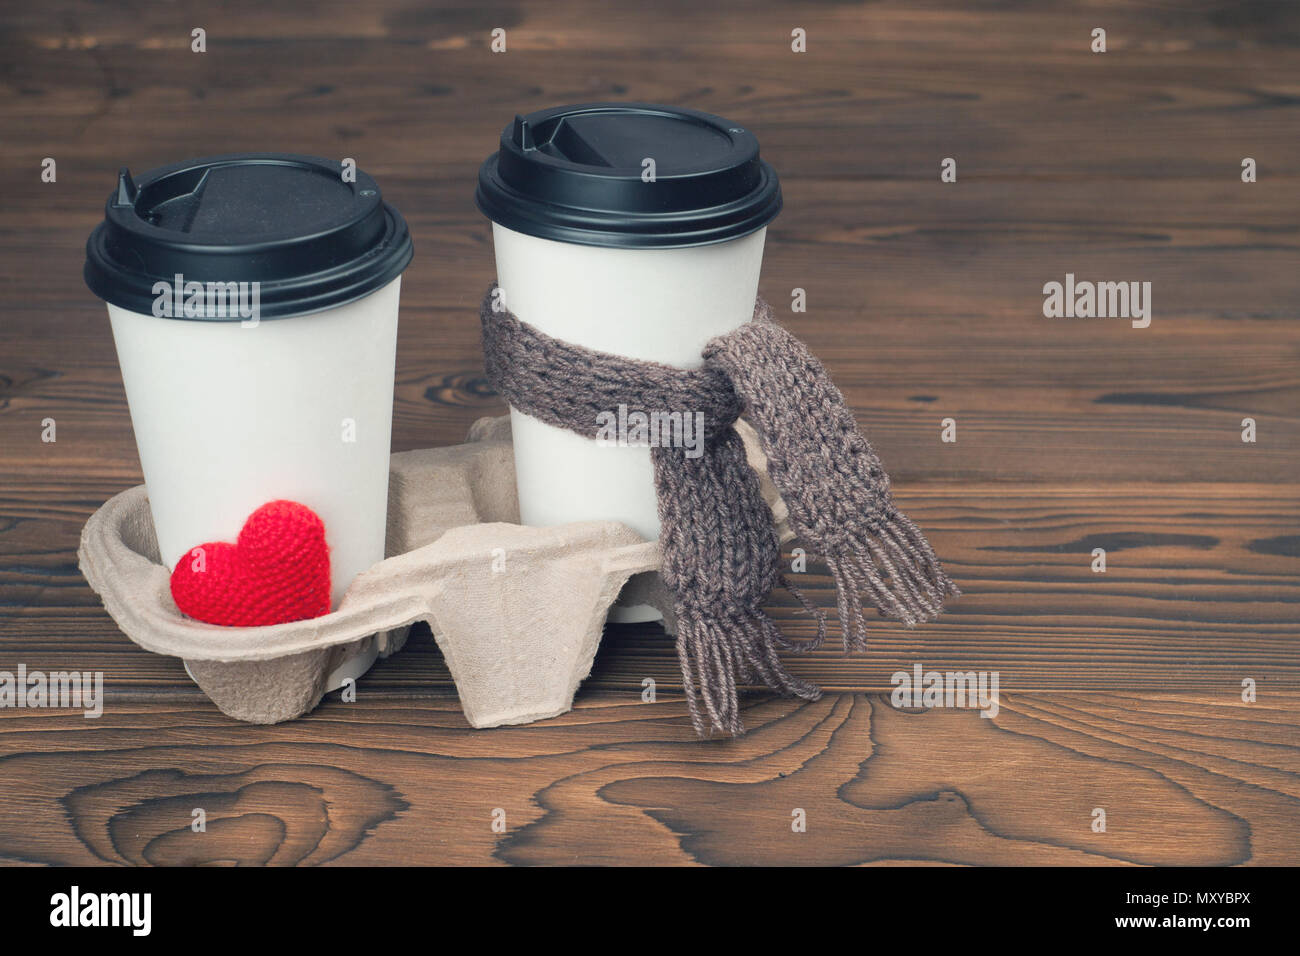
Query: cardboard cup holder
(516, 611)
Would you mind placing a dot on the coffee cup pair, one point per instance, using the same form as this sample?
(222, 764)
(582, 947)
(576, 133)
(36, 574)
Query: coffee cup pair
(254, 301)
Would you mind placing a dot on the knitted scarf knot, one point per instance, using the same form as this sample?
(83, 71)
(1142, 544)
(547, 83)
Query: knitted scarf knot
(721, 554)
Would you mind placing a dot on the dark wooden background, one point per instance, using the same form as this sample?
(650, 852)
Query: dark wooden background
(1120, 690)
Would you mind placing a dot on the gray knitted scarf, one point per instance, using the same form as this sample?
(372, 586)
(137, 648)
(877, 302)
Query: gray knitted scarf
(721, 554)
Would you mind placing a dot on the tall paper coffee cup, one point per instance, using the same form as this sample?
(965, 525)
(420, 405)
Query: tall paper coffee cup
(626, 228)
(254, 303)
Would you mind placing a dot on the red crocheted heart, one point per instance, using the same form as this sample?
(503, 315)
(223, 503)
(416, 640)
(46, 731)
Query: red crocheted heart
(278, 571)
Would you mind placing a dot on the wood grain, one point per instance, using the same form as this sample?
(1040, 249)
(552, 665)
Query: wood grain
(1121, 690)
(1183, 779)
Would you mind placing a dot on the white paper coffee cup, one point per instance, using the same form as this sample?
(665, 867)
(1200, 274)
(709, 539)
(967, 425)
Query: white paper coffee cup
(254, 304)
(626, 228)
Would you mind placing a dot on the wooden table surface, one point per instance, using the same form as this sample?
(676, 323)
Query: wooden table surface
(1120, 691)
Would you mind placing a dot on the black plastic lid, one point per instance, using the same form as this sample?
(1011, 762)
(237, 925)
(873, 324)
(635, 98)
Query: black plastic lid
(289, 223)
(574, 173)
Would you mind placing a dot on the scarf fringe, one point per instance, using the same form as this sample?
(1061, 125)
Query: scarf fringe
(894, 566)
(802, 647)
(719, 653)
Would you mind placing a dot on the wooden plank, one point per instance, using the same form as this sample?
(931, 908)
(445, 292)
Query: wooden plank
(1202, 779)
